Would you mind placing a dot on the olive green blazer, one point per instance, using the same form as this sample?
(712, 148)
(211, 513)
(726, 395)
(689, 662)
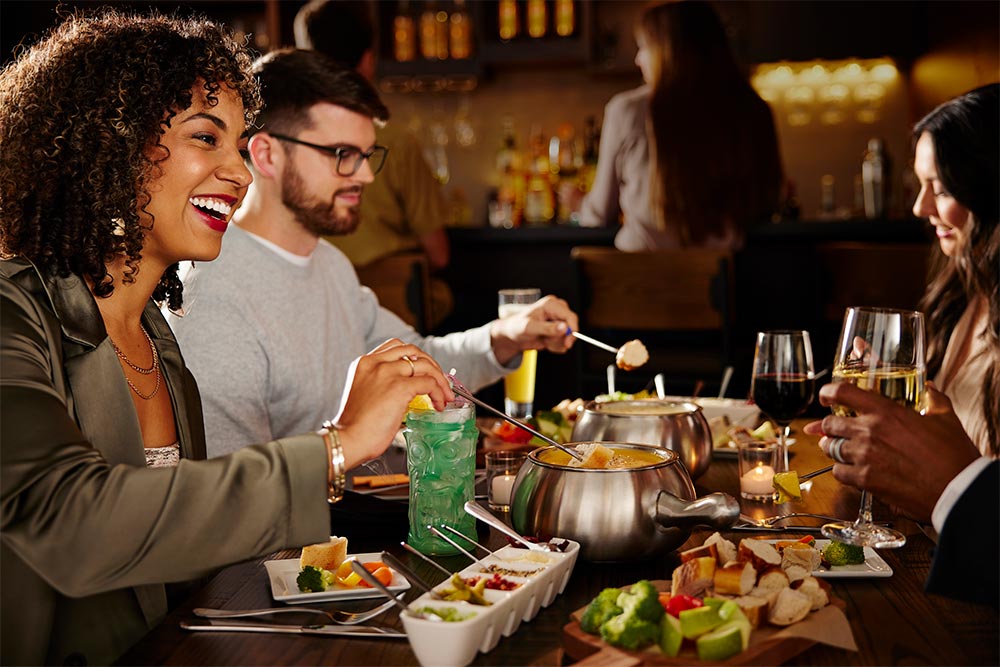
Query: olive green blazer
(89, 535)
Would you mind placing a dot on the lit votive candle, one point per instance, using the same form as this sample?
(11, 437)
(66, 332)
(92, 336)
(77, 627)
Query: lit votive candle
(501, 488)
(758, 481)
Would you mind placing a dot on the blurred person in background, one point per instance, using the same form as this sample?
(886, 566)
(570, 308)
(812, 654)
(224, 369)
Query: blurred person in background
(404, 209)
(121, 138)
(957, 162)
(273, 324)
(690, 158)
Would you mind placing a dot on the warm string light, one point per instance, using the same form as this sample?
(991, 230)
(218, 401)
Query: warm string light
(827, 90)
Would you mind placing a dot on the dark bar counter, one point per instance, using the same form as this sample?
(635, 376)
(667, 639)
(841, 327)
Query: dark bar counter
(785, 277)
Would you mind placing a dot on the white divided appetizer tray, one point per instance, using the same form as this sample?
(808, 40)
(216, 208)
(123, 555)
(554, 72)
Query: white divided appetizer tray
(455, 643)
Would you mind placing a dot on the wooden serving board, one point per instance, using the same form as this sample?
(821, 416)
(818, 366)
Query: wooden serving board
(765, 647)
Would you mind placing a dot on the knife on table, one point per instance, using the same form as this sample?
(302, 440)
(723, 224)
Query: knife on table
(358, 631)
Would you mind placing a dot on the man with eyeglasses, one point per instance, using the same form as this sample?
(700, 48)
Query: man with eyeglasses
(271, 328)
(405, 209)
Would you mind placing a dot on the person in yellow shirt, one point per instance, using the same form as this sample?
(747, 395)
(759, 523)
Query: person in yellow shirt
(404, 209)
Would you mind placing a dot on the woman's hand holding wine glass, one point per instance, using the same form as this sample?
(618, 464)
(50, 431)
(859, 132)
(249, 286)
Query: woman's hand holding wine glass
(880, 350)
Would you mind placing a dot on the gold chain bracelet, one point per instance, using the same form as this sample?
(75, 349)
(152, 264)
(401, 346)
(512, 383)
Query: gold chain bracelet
(331, 435)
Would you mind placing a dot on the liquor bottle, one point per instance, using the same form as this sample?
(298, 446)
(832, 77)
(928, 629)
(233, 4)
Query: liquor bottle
(441, 34)
(565, 18)
(827, 197)
(538, 18)
(428, 32)
(507, 19)
(791, 210)
(874, 178)
(404, 34)
(460, 32)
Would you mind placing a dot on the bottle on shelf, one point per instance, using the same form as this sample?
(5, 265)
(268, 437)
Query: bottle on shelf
(827, 197)
(404, 34)
(511, 184)
(441, 34)
(791, 210)
(428, 32)
(460, 32)
(538, 18)
(539, 199)
(565, 18)
(508, 20)
(874, 179)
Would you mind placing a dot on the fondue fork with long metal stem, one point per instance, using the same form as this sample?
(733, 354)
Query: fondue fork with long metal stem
(465, 537)
(425, 558)
(452, 542)
(468, 396)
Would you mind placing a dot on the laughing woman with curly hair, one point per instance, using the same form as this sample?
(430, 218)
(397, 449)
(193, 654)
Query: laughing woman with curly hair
(121, 142)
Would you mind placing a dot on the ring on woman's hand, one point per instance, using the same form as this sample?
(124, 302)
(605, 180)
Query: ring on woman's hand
(833, 450)
(413, 369)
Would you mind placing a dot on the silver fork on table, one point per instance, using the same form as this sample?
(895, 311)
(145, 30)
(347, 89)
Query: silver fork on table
(338, 616)
(770, 521)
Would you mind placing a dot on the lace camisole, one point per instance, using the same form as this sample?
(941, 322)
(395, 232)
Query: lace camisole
(163, 457)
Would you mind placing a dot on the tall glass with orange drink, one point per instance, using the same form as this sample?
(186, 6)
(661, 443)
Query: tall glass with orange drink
(519, 386)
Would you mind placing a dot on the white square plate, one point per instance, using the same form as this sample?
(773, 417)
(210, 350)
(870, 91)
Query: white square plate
(873, 567)
(282, 574)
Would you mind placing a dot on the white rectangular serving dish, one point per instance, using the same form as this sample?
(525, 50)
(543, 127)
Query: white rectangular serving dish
(455, 644)
(283, 573)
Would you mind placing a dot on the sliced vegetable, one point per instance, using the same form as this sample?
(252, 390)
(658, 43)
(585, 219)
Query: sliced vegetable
(678, 603)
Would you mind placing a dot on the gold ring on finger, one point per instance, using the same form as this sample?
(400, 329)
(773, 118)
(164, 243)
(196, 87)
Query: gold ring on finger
(413, 369)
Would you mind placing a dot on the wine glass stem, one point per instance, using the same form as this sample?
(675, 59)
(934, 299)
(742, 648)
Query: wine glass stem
(783, 453)
(865, 511)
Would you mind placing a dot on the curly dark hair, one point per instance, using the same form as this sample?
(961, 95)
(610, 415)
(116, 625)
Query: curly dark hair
(80, 112)
(966, 136)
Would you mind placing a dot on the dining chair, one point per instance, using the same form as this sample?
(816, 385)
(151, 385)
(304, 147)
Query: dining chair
(679, 303)
(401, 283)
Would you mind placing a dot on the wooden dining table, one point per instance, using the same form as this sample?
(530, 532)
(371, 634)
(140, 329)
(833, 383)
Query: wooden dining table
(893, 620)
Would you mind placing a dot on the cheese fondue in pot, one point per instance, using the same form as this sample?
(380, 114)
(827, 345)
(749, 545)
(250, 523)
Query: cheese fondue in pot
(619, 458)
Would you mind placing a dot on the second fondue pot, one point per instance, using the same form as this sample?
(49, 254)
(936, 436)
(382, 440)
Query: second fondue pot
(680, 427)
(616, 514)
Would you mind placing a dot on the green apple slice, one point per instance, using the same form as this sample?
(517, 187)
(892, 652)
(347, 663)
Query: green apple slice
(671, 637)
(698, 621)
(720, 644)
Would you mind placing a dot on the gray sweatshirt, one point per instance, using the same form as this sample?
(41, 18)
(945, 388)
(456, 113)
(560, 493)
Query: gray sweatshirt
(271, 340)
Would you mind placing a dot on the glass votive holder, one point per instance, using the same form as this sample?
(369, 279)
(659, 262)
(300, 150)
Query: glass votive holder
(501, 470)
(758, 461)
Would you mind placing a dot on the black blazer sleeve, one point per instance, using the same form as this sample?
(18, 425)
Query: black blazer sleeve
(965, 565)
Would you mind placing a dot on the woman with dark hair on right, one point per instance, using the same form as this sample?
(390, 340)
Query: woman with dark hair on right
(691, 158)
(957, 161)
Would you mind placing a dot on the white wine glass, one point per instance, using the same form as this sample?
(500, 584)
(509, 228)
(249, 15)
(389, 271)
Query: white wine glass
(880, 350)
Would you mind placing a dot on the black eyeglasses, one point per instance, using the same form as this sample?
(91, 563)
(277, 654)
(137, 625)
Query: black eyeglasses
(349, 158)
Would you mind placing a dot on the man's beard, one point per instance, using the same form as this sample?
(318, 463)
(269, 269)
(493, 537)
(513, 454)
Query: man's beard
(316, 216)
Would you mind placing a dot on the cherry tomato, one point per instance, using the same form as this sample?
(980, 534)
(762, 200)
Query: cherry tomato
(679, 603)
(510, 433)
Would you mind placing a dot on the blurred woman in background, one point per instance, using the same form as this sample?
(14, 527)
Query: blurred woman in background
(691, 158)
(957, 161)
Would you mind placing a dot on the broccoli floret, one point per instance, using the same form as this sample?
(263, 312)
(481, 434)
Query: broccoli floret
(838, 553)
(314, 580)
(643, 600)
(600, 609)
(629, 631)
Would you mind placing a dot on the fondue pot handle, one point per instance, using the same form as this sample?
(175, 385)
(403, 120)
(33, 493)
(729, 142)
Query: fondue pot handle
(718, 510)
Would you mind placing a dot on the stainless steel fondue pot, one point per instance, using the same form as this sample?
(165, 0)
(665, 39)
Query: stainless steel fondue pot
(678, 426)
(617, 514)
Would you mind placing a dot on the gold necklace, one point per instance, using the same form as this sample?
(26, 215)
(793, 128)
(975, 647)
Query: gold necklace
(154, 368)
